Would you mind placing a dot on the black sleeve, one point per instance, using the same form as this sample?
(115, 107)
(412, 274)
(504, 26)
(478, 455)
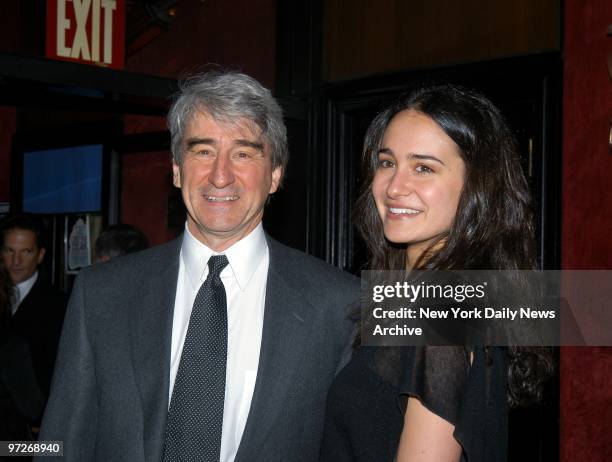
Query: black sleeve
(472, 397)
(436, 376)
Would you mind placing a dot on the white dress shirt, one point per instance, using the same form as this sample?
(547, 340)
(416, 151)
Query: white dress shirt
(22, 290)
(244, 280)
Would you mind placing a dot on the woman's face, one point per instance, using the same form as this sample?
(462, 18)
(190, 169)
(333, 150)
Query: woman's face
(418, 181)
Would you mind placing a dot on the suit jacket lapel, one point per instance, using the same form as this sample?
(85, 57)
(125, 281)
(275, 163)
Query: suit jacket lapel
(285, 332)
(26, 312)
(151, 334)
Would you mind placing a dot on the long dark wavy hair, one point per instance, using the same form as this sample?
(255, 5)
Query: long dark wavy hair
(493, 227)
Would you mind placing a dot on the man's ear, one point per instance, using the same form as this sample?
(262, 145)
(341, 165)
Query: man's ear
(176, 174)
(41, 255)
(277, 175)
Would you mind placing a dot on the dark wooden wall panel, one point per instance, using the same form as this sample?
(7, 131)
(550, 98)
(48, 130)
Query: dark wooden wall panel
(364, 37)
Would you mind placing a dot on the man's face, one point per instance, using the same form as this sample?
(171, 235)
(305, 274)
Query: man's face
(225, 178)
(20, 253)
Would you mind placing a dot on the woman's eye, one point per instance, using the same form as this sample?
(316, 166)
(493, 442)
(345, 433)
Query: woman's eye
(423, 169)
(385, 163)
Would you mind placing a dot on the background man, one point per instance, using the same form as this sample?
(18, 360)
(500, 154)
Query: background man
(222, 344)
(37, 309)
(118, 240)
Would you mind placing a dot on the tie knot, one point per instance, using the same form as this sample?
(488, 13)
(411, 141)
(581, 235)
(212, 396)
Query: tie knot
(216, 263)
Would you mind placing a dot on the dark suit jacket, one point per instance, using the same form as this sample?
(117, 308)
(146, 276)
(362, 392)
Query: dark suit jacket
(109, 396)
(21, 401)
(38, 320)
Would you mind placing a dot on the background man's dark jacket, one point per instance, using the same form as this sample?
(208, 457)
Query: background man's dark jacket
(38, 320)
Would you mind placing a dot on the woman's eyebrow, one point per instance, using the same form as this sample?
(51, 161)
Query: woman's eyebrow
(425, 157)
(412, 155)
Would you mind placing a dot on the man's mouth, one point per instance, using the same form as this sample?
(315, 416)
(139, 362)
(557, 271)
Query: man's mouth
(398, 211)
(221, 198)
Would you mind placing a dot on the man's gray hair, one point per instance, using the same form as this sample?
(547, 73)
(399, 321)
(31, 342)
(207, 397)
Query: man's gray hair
(228, 97)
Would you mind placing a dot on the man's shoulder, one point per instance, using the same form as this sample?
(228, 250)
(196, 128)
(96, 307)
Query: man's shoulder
(289, 260)
(151, 259)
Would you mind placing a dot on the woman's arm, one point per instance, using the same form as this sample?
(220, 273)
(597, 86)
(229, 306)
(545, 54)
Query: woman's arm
(426, 437)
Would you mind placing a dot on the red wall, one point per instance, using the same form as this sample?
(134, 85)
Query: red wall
(239, 34)
(146, 184)
(587, 160)
(586, 404)
(586, 373)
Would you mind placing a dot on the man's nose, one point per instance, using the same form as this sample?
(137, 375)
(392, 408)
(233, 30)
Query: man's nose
(222, 173)
(16, 259)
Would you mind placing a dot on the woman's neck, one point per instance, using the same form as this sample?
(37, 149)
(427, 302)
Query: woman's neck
(421, 252)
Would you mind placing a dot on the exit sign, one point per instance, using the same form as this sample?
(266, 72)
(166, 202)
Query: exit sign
(87, 31)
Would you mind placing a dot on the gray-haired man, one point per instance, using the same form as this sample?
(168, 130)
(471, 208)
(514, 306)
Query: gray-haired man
(222, 344)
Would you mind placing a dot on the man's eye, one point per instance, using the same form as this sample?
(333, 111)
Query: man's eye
(243, 155)
(204, 152)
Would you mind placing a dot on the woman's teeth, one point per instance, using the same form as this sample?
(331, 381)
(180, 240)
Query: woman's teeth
(403, 211)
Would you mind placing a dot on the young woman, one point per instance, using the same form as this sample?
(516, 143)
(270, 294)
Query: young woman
(444, 191)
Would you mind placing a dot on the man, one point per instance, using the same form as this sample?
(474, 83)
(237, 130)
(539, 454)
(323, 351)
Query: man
(37, 310)
(117, 240)
(220, 345)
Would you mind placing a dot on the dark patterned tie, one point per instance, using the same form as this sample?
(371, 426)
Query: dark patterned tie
(195, 418)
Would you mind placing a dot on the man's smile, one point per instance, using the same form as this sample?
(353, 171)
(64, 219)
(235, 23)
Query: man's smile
(221, 198)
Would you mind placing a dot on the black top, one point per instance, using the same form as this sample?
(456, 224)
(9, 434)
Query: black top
(367, 401)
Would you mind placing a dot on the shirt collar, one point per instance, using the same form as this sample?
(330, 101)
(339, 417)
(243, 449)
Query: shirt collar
(244, 257)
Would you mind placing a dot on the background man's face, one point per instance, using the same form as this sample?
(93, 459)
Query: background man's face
(225, 178)
(20, 253)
